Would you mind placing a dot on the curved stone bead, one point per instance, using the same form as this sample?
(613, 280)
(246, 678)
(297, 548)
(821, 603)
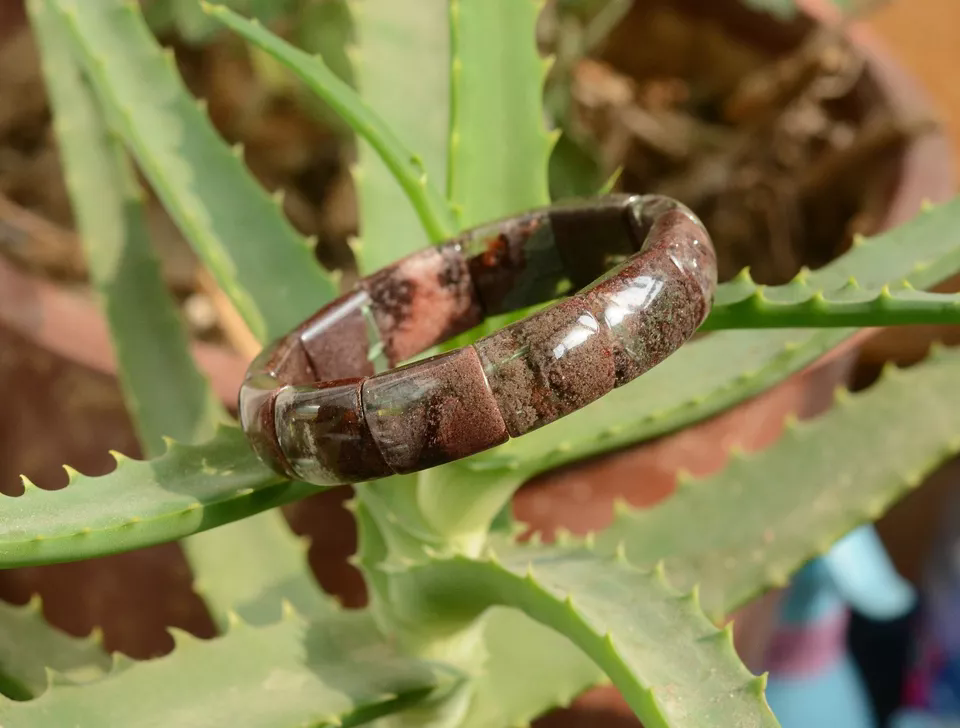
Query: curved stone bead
(548, 365)
(323, 434)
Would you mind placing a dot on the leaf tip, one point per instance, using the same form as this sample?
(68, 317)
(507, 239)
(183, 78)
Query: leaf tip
(743, 276)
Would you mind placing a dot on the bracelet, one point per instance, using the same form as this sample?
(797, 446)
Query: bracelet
(325, 404)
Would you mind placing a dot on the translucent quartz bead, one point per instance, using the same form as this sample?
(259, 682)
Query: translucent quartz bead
(437, 410)
(323, 435)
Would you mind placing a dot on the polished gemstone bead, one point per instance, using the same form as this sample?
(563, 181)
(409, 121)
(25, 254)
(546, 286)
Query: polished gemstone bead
(256, 418)
(341, 339)
(515, 263)
(548, 365)
(323, 435)
(423, 300)
(646, 306)
(437, 410)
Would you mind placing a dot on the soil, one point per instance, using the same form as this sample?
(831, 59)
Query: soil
(771, 158)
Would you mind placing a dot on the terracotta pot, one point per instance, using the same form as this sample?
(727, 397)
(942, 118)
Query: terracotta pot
(55, 366)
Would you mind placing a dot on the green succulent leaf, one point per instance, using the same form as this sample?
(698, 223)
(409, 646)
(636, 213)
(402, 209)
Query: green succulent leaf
(258, 259)
(499, 146)
(744, 304)
(165, 393)
(251, 567)
(432, 209)
(670, 663)
(149, 340)
(334, 672)
(515, 646)
(791, 501)
(29, 647)
(188, 489)
(325, 29)
(402, 68)
(518, 647)
(197, 27)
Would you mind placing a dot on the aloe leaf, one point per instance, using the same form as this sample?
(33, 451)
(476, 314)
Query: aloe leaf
(745, 304)
(197, 27)
(669, 662)
(251, 567)
(718, 371)
(165, 393)
(432, 209)
(499, 145)
(574, 171)
(188, 489)
(240, 233)
(325, 29)
(338, 671)
(160, 15)
(190, 21)
(791, 501)
(401, 66)
(518, 647)
(29, 646)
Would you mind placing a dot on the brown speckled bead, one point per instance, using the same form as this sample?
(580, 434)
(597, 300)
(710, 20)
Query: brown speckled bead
(513, 262)
(437, 410)
(338, 338)
(422, 299)
(548, 366)
(315, 408)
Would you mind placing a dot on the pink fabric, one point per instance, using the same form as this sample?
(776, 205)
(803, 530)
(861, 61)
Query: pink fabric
(802, 651)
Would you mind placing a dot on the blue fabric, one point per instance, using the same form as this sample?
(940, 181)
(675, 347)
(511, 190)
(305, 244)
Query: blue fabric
(834, 698)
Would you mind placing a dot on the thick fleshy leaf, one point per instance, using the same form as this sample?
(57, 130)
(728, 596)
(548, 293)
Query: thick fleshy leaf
(165, 393)
(29, 647)
(670, 663)
(197, 27)
(743, 304)
(405, 167)
(791, 501)
(499, 145)
(401, 67)
(251, 567)
(188, 489)
(258, 259)
(518, 647)
(291, 673)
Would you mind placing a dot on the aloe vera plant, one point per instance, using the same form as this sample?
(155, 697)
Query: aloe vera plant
(466, 625)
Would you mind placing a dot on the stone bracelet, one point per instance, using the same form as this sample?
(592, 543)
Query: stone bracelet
(325, 404)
